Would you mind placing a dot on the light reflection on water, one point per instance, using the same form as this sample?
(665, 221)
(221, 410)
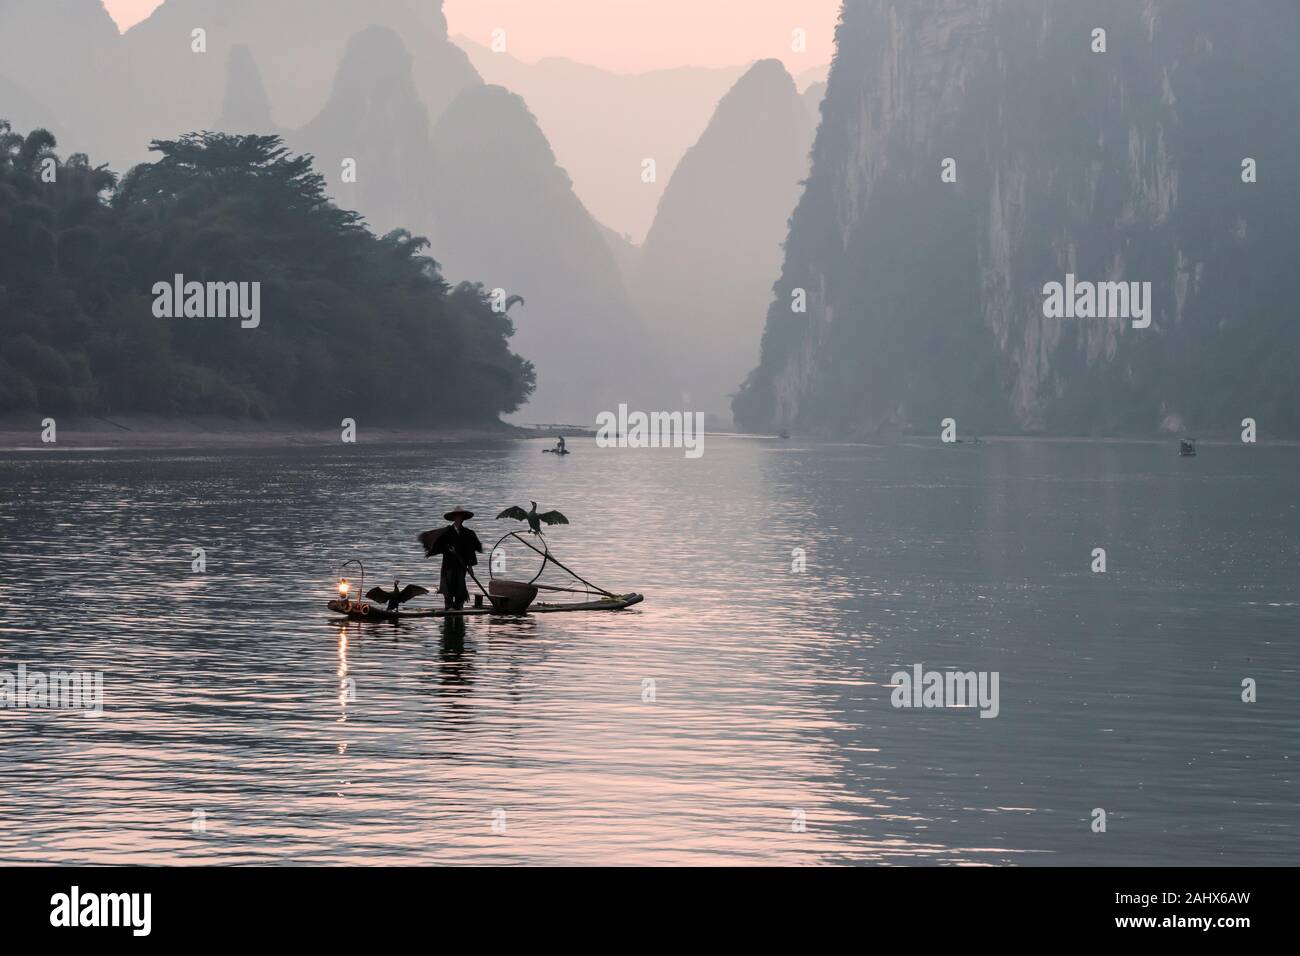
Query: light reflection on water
(302, 741)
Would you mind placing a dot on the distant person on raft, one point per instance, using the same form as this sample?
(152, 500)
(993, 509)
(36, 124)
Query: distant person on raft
(460, 548)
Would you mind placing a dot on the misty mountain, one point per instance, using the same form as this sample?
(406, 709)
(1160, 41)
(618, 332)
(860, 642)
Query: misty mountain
(26, 110)
(707, 266)
(925, 299)
(602, 124)
(626, 254)
(811, 77)
(374, 118)
(505, 214)
(246, 107)
(812, 98)
(114, 93)
(60, 65)
(298, 46)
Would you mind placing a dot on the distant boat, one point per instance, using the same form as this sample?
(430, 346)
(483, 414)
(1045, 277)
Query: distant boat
(784, 433)
(1187, 448)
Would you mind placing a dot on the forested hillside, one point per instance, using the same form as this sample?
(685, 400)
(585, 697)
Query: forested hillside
(350, 324)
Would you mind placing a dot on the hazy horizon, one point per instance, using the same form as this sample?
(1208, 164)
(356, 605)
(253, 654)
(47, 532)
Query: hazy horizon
(638, 36)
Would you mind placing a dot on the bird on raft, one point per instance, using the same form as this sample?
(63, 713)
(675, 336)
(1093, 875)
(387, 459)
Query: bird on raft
(533, 518)
(395, 598)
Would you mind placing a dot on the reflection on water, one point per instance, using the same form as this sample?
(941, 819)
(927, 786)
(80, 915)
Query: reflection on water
(740, 715)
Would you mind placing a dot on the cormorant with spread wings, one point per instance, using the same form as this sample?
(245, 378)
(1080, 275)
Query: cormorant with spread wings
(532, 517)
(395, 598)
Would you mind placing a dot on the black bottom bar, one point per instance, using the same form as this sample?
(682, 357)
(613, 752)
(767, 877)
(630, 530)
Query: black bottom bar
(331, 906)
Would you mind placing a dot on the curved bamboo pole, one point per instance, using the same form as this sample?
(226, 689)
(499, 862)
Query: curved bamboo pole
(549, 557)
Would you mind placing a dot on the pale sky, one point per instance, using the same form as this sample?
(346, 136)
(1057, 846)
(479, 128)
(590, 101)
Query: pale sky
(630, 35)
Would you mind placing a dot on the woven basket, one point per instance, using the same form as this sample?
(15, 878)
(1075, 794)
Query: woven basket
(511, 597)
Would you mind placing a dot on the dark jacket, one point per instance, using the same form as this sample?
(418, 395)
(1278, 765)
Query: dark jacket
(459, 550)
(461, 546)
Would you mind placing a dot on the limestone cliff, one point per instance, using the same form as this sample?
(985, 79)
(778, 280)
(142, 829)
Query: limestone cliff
(925, 296)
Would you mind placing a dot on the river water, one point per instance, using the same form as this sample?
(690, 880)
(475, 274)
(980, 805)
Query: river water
(742, 714)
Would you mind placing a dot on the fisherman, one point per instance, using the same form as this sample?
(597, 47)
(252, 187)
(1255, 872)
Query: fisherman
(459, 547)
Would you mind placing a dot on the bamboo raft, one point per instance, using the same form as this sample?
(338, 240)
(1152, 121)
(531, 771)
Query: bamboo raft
(505, 598)
(354, 612)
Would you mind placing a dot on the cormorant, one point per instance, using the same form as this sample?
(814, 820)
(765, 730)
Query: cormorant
(396, 597)
(532, 517)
